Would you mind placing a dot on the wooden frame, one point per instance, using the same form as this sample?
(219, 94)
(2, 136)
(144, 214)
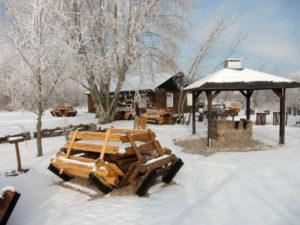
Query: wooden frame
(109, 169)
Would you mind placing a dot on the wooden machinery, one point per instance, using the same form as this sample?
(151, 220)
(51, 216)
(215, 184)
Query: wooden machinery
(64, 112)
(104, 163)
(159, 116)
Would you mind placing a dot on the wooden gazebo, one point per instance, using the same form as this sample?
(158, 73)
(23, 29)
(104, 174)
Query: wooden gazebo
(235, 78)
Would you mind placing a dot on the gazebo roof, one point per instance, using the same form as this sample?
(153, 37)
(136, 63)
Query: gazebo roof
(241, 79)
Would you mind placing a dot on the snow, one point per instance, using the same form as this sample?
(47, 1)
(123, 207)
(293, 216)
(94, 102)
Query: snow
(260, 187)
(74, 162)
(6, 188)
(235, 76)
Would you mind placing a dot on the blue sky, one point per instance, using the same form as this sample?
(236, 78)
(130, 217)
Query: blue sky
(272, 28)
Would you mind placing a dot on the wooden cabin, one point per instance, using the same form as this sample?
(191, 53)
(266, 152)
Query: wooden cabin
(158, 91)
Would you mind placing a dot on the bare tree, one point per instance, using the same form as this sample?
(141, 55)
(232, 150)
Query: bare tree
(28, 27)
(206, 48)
(109, 37)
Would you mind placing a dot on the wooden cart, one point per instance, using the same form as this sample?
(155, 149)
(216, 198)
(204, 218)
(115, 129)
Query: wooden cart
(64, 112)
(107, 167)
(160, 116)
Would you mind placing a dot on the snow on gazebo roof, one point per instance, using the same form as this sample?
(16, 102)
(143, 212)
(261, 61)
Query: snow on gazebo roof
(241, 78)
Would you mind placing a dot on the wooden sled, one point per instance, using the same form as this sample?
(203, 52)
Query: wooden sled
(8, 202)
(107, 168)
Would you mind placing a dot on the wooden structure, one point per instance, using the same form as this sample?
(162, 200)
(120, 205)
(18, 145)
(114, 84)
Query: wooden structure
(232, 131)
(25, 135)
(16, 141)
(8, 201)
(158, 91)
(261, 119)
(64, 112)
(159, 116)
(124, 113)
(140, 123)
(107, 168)
(235, 78)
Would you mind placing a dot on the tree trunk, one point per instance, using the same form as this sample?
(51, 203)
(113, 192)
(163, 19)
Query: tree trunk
(38, 131)
(180, 107)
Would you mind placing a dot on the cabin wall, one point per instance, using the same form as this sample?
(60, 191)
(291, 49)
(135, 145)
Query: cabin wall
(156, 100)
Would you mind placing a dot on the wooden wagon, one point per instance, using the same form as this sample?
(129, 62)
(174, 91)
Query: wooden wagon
(143, 159)
(64, 112)
(160, 116)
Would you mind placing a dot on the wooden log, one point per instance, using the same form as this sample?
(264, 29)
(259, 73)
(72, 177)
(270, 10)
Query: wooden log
(143, 137)
(100, 136)
(87, 147)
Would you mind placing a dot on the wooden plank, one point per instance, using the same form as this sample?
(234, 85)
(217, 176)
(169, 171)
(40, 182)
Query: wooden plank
(137, 152)
(157, 146)
(92, 147)
(82, 159)
(69, 148)
(143, 148)
(100, 136)
(104, 146)
(143, 137)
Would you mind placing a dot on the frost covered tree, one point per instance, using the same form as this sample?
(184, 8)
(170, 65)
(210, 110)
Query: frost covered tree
(110, 37)
(28, 27)
(207, 46)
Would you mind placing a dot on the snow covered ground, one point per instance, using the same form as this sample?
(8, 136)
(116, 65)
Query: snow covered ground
(226, 188)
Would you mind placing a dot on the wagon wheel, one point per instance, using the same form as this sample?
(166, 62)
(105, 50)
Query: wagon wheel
(172, 171)
(104, 188)
(147, 181)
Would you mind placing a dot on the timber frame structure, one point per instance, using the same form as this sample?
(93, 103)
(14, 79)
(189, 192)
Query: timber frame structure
(259, 81)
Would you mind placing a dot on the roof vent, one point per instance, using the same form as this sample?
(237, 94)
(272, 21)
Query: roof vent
(233, 64)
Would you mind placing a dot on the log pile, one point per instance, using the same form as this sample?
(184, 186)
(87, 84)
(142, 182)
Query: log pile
(160, 116)
(144, 159)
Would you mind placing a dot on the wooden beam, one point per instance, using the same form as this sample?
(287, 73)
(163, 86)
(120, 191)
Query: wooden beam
(247, 94)
(194, 112)
(209, 116)
(215, 94)
(282, 117)
(278, 92)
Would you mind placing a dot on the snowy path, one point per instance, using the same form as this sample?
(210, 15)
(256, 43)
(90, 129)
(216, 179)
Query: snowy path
(225, 188)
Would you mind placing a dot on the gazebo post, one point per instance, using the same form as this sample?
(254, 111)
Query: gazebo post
(248, 102)
(209, 116)
(195, 95)
(194, 112)
(282, 117)
(281, 94)
(247, 95)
